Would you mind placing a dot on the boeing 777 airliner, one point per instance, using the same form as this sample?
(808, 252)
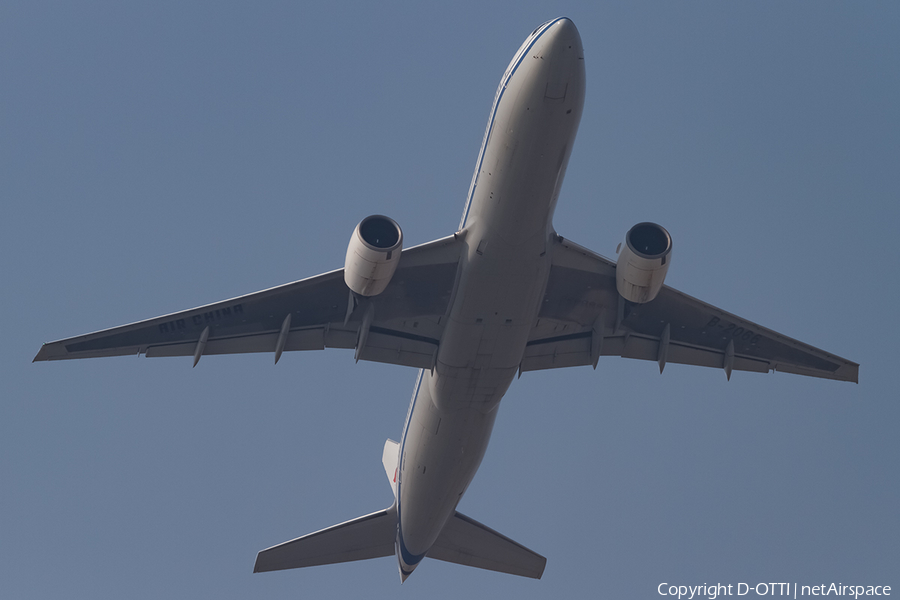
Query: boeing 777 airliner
(503, 295)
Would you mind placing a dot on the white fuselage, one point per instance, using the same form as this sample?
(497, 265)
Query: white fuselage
(507, 225)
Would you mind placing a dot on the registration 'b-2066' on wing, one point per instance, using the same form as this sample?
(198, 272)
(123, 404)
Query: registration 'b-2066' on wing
(503, 295)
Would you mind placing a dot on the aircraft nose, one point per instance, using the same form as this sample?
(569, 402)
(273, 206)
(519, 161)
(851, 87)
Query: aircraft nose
(564, 39)
(564, 30)
(562, 62)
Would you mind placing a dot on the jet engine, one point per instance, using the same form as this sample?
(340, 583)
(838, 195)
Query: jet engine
(643, 262)
(372, 255)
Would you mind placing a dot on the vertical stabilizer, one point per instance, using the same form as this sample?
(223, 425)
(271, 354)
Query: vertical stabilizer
(391, 459)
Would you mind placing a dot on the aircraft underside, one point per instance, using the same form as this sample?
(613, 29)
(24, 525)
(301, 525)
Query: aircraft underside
(503, 295)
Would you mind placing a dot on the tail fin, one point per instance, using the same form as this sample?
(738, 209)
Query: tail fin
(369, 536)
(465, 541)
(390, 458)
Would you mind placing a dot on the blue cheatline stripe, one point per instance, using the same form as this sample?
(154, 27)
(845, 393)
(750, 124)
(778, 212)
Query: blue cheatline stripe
(500, 90)
(404, 553)
(409, 414)
(409, 558)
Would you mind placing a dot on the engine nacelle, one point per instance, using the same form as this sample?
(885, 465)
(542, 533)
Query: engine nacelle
(643, 262)
(372, 255)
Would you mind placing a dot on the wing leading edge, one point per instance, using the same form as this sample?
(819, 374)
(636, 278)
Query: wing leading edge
(583, 317)
(310, 314)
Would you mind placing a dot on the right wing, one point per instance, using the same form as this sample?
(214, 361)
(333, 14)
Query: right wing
(406, 320)
(583, 317)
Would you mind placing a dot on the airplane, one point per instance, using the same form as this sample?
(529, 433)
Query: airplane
(503, 295)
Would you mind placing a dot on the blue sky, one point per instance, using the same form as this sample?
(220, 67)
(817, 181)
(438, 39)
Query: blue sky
(154, 158)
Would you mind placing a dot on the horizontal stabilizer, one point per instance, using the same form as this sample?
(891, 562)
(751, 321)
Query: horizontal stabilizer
(465, 541)
(370, 536)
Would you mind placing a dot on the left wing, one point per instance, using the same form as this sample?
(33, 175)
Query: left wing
(403, 325)
(583, 317)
